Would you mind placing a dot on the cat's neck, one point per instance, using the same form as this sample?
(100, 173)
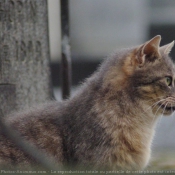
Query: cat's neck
(133, 124)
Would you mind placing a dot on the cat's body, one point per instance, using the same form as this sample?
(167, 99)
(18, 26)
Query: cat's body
(110, 121)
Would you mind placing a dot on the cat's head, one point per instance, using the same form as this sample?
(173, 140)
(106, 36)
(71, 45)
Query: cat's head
(148, 73)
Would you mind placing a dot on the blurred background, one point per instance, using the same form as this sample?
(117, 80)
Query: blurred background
(98, 27)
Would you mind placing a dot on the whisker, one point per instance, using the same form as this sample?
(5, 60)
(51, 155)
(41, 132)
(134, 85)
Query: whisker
(154, 104)
(164, 108)
(171, 109)
(158, 110)
(160, 107)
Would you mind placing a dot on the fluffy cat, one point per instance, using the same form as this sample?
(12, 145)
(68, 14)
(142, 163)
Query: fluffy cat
(110, 121)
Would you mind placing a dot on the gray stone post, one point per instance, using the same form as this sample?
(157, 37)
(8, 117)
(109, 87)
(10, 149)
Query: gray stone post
(24, 54)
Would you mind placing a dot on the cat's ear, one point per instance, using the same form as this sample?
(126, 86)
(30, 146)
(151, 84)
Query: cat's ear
(166, 49)
(149, 50)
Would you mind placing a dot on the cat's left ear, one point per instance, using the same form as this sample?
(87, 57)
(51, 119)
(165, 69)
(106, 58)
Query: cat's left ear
(166, 49)
(149, 51)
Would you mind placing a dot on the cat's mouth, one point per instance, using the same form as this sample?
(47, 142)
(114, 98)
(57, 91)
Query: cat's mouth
(167, 108)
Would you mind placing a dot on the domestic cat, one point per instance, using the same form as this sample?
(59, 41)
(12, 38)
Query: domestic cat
(110, 121)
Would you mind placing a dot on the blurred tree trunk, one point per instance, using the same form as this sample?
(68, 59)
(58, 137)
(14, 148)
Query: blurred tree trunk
(24, 54)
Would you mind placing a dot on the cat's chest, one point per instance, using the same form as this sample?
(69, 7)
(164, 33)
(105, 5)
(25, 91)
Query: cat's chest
(130, 140)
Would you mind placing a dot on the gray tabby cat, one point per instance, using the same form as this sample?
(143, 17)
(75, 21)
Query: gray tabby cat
(110, 121)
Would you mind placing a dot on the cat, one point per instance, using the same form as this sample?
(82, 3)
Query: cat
(110, 121)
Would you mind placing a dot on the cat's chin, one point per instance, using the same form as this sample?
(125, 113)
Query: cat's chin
(167, 110)
(167, 114)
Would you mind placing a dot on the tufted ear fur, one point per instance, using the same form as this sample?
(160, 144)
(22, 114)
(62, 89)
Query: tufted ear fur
(166, 49)
(149, 51)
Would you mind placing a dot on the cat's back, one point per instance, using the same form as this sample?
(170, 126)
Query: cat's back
(40, 126)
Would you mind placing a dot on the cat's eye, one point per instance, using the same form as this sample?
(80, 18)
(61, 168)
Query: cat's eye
(169, 81)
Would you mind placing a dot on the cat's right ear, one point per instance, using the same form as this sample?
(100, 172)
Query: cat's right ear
(149, 51)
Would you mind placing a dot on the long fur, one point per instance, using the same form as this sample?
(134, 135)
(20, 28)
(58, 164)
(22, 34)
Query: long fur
(109, 122)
